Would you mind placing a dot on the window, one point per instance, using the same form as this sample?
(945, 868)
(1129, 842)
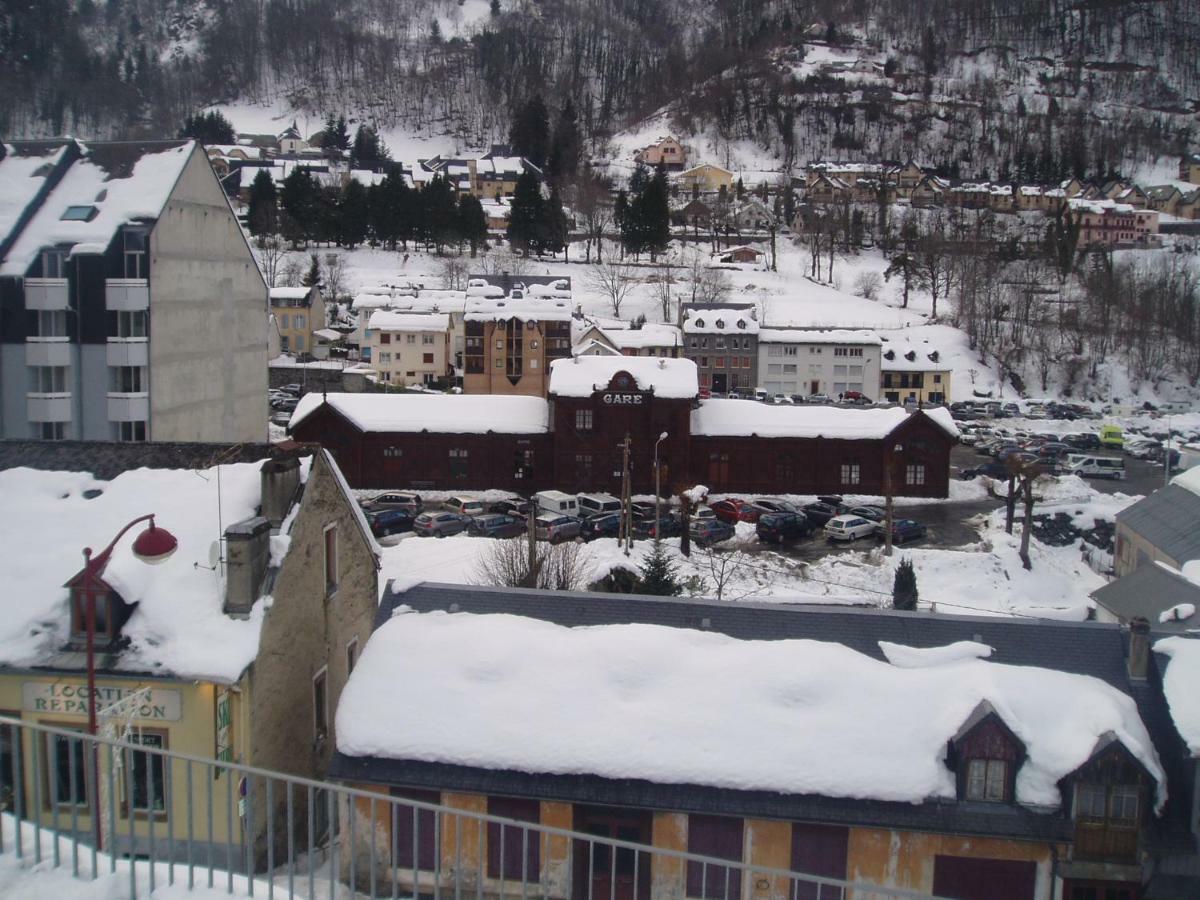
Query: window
(819, 850)
(410, 338)
(131, 324)
(774, 368)
(283, 323)
(851, 473)
(774, 350)
(914, 474)
(513, 852)
(427, 340)
(790, 351)
(583, 420)
(583, 467)
(987, 779)
(129, 431)
(299, 342)
(393, 453)
(147, 773)
(458, 464)
(64, 761)
(427, 359)
(54, 264)
(722, 837)
(298, 321)
(52, 323)
(415, 827)
(385, 338)
(48, 379)
(704, 362)
(50, 431)
(351, 654)
(79, 214)
(719, 342)
(127, 379)
(745, 362)
(789, 369)
(1123, 805)
(733, 362)
(320, 689)
(135, 253)
(719, 362)
(703, 343)
(331, 558)
(937, 379)
(385, 359)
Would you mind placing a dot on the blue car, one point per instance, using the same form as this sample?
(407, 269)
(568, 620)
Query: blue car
(706, 532)
(389, 521)
(603, 525)
(904, 530)
(496, 525)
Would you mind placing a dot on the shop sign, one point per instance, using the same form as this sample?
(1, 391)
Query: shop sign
(620, 398)
(71, 699)
(224, 727)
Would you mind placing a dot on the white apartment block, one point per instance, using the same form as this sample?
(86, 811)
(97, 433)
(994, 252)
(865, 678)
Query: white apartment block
(801, 362)
(409, 347)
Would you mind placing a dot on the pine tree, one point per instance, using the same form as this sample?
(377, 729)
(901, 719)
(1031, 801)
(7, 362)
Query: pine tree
(563, 162)
(552, 235)
(313, 275)
(525, 215)
(472, 223)
(658, 573)
(495, 7)
(341, 135)
(354, 214)
(904, 588)
(440, 209)
(298, 199)
(368, 150)
(263, 205)
(208, 128)
(530, 131)
(656, 213)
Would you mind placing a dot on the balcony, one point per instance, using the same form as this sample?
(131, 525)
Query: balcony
(126, 294)
(133, 351)
(129, 407)
(48, 351)
(46, 293)
(54, 407)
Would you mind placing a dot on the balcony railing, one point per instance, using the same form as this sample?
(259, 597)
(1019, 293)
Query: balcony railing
(48, 406)
(48, 351)
(128, 351)
(128, 407)
(199, 822)
(46, 293)
(126, 294)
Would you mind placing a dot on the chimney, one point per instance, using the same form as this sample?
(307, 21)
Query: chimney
(1139, 647)
(280, 478)
(247, 553)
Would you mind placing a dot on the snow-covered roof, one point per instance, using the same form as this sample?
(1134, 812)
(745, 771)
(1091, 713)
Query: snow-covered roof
(328, 334)
(719, 418)
(389, 320)
(920, 361)
(539, 310)
(808, 336)
(436, 413)
(651, 334)
(120, 182)
(1101, 206)
(380, 301)
(290, 293)
(582, 376)
(23, 171)
(720, 321)
(1189, 478)
(178, 626)
(797, 716)
(1179, 686)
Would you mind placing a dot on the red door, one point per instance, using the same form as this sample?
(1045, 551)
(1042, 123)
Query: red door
(962, 878)
(614, 873)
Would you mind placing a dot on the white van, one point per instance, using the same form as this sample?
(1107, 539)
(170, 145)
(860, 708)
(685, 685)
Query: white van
(557, 502)
(597, 504)
(761, 395)
(1098, 467)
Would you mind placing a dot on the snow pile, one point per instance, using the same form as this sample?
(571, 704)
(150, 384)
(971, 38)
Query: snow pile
(742, 417)
(1179, 685)
(813, 336)
(582, 376)
(436, 413)
(919, 657)
(1177, 613)
(290, 293)
(479, 310)
(638, 701)
(1189, 479)
(178, 626)
(651, 334)
(388, 320)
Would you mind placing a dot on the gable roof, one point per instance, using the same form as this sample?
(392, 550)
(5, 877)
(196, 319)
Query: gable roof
(27, 170)
(435, 413)
(582, 376)
(1167, 519)
(767, 420)
(1150, 591)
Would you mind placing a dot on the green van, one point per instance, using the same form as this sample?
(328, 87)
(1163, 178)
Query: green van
(1112, 436)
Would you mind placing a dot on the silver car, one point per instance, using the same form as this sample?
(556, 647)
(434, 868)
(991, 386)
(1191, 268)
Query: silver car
(556, 529)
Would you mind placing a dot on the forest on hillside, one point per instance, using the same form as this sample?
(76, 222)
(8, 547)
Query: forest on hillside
(1027, 86)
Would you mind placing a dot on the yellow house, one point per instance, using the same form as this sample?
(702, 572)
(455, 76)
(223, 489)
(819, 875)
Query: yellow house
(235, 649)
(298, 312)
(707, 177)
(783, 739)
(409, 347)
(1189, 168)
(912, 375)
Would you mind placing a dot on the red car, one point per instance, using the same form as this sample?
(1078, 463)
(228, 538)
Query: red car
(735, 510)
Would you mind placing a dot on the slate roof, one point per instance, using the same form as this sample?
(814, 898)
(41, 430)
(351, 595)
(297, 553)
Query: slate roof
(1086, 648)
(1167, 519)
(1148, 591)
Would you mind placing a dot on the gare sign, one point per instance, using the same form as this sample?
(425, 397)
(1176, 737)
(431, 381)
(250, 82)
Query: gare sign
(615, 398)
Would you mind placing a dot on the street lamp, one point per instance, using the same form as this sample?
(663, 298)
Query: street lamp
(153, 546)
(657, 488)
(887, 487)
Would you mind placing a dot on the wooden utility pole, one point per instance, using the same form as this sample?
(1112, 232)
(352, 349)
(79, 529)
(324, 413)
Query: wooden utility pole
(626, 497)
(887, 489)
(531, 522)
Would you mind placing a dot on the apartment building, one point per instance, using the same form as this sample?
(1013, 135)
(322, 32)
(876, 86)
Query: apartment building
(1108, 223)
(510, 343)
(410, 347)
(723, 343)
(298, 311)
(131, 308)
(913, 375)
(803, 362)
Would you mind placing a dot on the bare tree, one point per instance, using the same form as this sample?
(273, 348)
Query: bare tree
(613, 279)
(454, 273)
(868, 285)
(709, 285)
(722, 567)
(273, 255)
(593, 202)
(291, 271)
(503, 261)
(335, 275)
(560, 567)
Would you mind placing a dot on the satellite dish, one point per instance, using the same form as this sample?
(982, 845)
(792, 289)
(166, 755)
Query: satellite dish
(214, 554)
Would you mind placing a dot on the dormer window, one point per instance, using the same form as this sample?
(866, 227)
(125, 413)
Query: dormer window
(1107, 802)
(987, 779)
(107, 612)
(720, 323)
(699, 323)
(985, 755)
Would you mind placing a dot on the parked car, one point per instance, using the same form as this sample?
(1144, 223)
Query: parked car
(440, 524)
(1143, 449)
(595, 504)
(1112, 436)
(735, 510)
(1087, 440)
(820, 513)
(395, 500)
(284, 404)
(281, 418)
(874, 513)
(556, 529)
(706, 532)
(777, 527)
(835, 500)
(517, 507)
(781, 398)
(703, 512)
(1098, 467)
(856, 398)
(294, 388)
(495, 525)
(667, 526)
(556, 502)
(773, 504)
(465, 506)
(644, 509)
(848, 528)
(390, 521)
(602, 525)
(817, 398)
(904, 530)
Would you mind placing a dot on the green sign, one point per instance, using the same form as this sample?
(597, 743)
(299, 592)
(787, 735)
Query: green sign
(224, 727)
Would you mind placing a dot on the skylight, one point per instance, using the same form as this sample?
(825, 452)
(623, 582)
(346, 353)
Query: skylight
(79, 214)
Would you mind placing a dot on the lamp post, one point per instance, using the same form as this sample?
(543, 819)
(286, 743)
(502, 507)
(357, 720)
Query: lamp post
(657, 488)
(887, 488)
(153, 546)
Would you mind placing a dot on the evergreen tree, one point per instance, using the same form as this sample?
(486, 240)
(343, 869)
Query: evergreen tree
(656, 213)
(368, 150)
(495, 7)
(387, 204)
(328, 220)
(658, 573)
(552, 235)
(208, 128)
(472, 223)
(563, 162)
(298, 199)
(313, 275)
(435, 33)
(341, 135)
(440, 213)
(354, 214)
(329, 132)
(263, 205)
(904, 588)
(525, 214)
(530, 131)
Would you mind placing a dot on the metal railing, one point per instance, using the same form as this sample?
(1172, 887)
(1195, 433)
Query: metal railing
(138, 809)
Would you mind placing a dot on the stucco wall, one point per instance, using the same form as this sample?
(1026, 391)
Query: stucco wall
(208, 303)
